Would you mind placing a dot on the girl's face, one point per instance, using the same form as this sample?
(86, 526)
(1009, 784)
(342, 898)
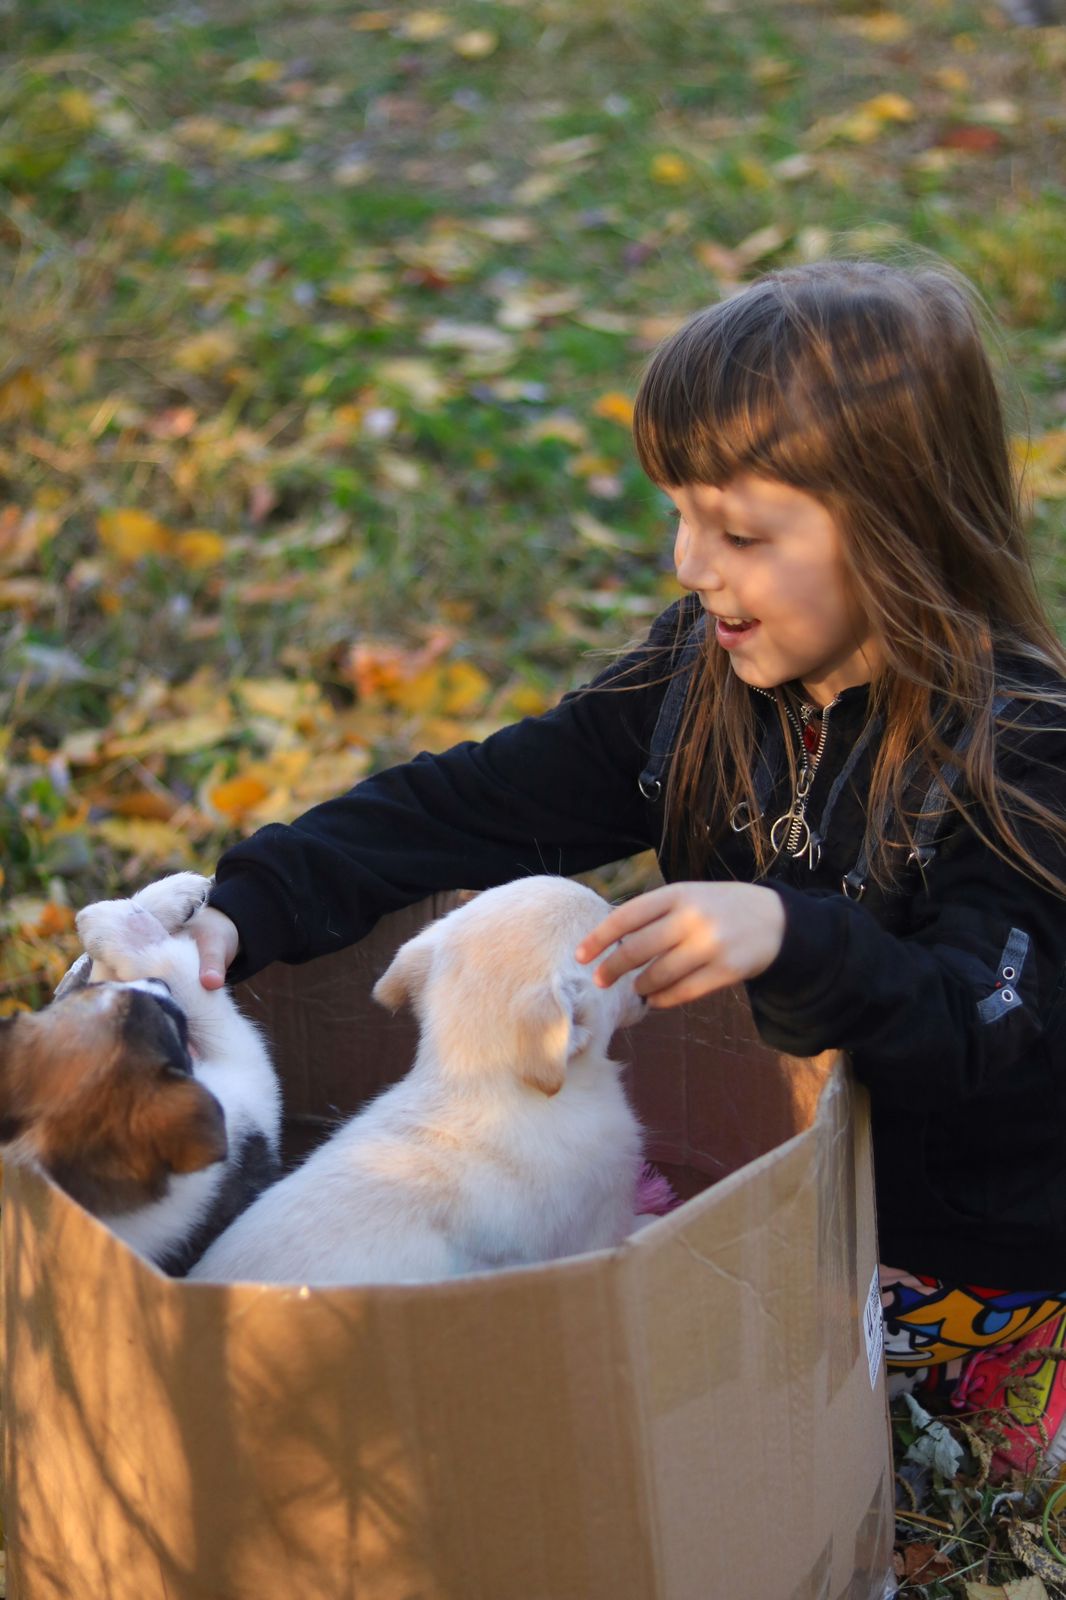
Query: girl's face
(766, 561)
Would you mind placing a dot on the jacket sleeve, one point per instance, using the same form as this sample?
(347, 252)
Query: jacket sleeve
(555, 793)
(947, 1012)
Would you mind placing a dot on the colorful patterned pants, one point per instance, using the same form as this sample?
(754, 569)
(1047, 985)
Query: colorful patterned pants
(932, 1327)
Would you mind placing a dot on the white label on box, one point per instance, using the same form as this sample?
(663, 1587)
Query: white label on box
(873, 1326)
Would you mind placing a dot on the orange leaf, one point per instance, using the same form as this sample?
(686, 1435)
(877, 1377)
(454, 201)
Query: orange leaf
(615, 407)
(238, 795)
(54, 919)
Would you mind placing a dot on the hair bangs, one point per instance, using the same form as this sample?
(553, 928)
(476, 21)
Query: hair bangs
(726, 395)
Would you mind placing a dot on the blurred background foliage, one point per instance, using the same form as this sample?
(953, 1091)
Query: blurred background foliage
(321, 325)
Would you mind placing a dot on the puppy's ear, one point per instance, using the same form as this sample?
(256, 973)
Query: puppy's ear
(187, 1127)
(551, 1032)
(405, 978)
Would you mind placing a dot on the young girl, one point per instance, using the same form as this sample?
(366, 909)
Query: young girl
(847, 744)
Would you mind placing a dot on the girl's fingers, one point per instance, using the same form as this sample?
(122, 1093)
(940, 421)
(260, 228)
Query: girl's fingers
(217, 940)
(704, 980)
(672, 967)
(636, 913)
(653, 940)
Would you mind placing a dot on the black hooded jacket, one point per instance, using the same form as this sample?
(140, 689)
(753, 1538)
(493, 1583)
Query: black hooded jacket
(949, 996)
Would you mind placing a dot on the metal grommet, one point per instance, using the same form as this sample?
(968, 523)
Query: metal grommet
(1006, 995)
(1008, 973)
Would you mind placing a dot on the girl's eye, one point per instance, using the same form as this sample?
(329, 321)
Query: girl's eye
(737, 541)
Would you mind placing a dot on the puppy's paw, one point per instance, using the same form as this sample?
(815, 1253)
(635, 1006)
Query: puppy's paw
(174, 900)
(120, 938)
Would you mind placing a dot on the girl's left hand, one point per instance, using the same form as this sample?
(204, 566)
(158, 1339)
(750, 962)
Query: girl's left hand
(691, 938)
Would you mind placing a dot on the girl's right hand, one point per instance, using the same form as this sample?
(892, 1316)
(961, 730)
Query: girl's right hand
(217, 940)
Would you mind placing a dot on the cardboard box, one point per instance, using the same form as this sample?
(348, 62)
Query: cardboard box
(694, 1416)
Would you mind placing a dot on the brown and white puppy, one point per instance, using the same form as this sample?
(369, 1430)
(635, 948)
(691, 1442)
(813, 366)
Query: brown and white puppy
(141, 941)
(98, 1090)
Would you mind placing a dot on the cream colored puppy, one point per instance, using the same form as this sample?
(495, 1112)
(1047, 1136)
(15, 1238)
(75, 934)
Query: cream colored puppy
(510, 1140)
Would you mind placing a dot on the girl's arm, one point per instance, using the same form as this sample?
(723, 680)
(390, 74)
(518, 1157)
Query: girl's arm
(556, 793)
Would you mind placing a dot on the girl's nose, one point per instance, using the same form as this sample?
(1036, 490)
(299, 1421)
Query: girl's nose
(691, 562)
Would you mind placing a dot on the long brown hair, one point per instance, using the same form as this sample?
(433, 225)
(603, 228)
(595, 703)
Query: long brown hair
(868, 387)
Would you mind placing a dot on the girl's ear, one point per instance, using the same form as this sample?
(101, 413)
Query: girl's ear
(405, 978)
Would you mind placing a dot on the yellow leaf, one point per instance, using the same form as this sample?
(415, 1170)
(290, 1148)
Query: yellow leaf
(1043, 464)
(421, 26)
(130, 534)
(463, 688)
(667, 168)
(953, 79)
(753, 172)
(77, 108)
(284, 699)
(890, 107)
(179, 737)
(21, 395)
(526, 701)
(156, 841)
(768, 71)
(615, 407)
(238, 796)
(477, 44)
(198, 547)
(207, 351)
(881, 27)
(257, 69)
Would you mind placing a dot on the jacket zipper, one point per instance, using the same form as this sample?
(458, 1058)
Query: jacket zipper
(800, 841)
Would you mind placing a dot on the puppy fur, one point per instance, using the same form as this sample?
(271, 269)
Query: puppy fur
(98, 1090)
(510, 1140)
(137, 946)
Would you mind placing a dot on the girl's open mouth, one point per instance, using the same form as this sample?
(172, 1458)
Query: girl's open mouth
(729, 631)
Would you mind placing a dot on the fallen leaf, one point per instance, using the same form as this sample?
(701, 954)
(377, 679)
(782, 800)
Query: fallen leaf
(130, 534)
(199, 548)
(157, 842)
(21, 395)
(476, 44)
(54, 919)
(237, 797)
(206, 352)
(924, 1562)
(973, 137)
(539, 187)
(670, 169)
(422, 26)
(179, 737)
(880, 27)
(615, 407)
(1022, 1538)
(475, 337)
(562, 152)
